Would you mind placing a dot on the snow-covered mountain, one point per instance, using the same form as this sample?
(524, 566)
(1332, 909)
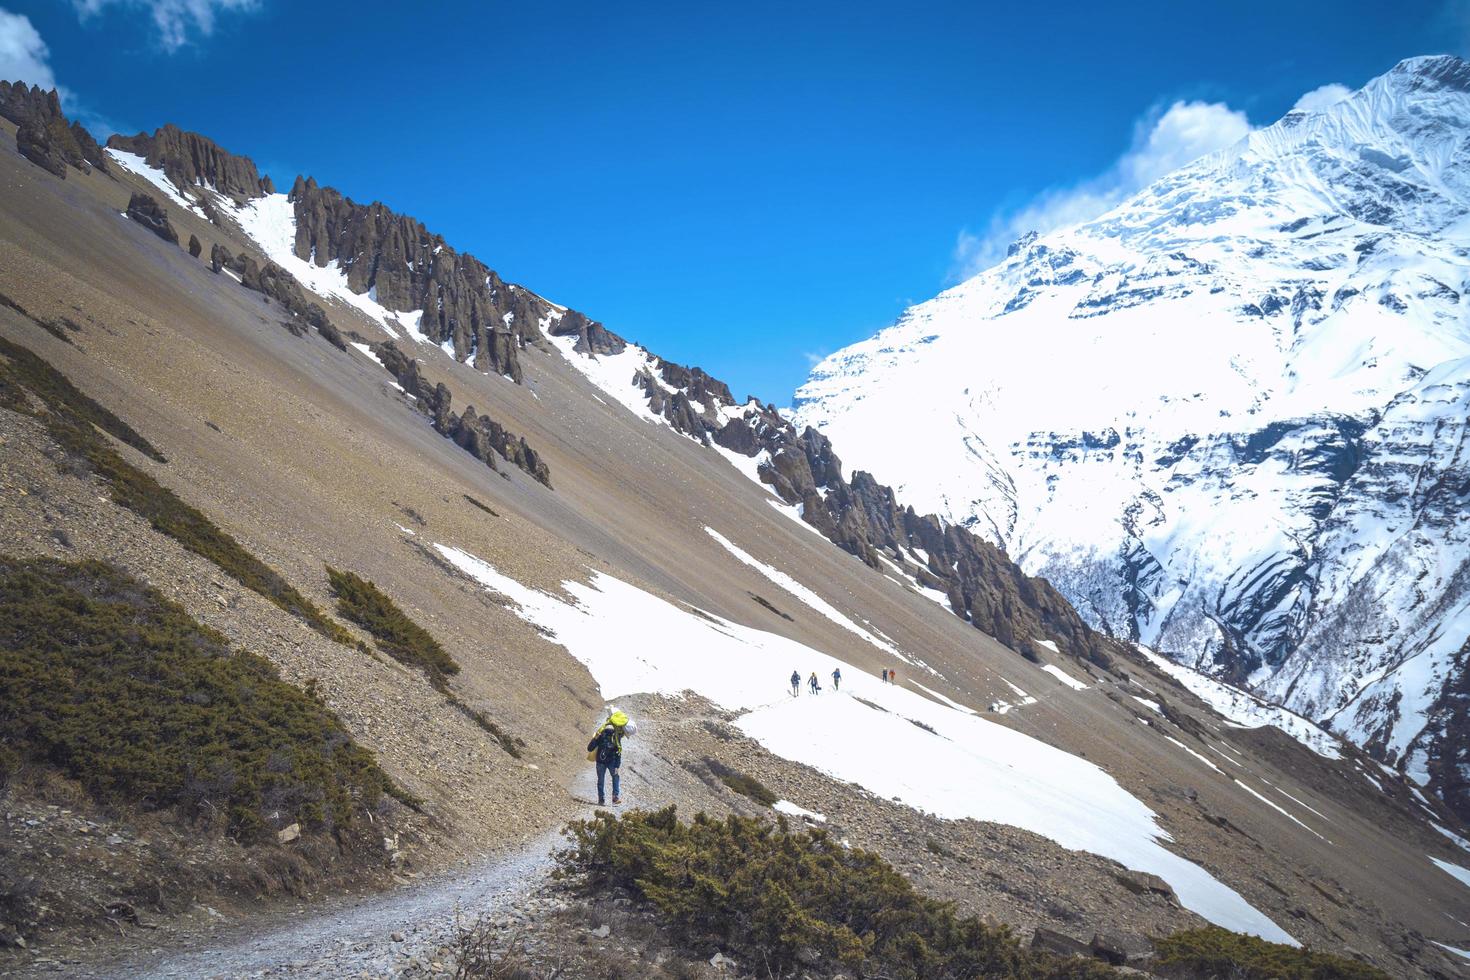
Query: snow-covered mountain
(1228, 419)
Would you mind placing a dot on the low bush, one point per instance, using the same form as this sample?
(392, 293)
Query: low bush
(1216, 952)
(740, 783)
(777, 898)
(361, 602)
(72, 419)
(108, 682)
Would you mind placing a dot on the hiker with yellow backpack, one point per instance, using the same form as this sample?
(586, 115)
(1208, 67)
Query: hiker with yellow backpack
(606, 749)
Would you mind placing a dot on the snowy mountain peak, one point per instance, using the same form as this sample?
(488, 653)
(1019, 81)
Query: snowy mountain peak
(1227, 417)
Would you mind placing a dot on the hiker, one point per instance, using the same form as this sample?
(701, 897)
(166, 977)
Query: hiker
(606, 748)
(837, 679)
(892, 676)
(885, 675)
(796, 684)
(813, 683)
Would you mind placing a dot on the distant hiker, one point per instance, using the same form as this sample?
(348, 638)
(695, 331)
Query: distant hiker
(837, 679)
(606, 748)
(795, 684)
(813, 683)
(885, 675)
(892, 676)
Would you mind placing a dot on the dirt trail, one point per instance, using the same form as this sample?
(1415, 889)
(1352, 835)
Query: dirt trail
(354, 938)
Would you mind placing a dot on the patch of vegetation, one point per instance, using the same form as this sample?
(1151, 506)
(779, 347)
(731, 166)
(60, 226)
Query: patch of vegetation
(113, 685)
(1216, 952)
(485, 507)
(740, 783)
(361, 602)
(29, 370)
(774, 897)
(763, 601)
(53, 327)
(72, 419)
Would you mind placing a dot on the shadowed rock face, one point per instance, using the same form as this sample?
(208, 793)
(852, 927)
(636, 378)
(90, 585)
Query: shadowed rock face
(189, 159)
(479, 435)
(43, 135)
(592, 337)
(147, 212)
(463, 301)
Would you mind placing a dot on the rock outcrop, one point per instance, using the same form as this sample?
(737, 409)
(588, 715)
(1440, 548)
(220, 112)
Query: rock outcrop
(479, 435)
(189, 160)
(146, 211)
(43, 134)
(278, 284)
(464, 303)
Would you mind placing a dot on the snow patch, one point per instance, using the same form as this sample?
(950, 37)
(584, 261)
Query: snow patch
(961, 766)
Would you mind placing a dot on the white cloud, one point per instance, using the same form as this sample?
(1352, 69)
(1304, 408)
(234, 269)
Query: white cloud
(176, 20)
(1320, 98)
(23, 55)
(1162, 141)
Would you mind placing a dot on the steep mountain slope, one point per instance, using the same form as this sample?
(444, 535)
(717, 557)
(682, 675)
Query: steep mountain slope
(678, 556)
(1227, 420)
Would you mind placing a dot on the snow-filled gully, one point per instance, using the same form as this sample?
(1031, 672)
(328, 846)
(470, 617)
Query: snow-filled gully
(962, 766)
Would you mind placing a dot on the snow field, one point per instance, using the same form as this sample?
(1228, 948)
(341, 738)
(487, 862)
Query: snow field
(959, 766)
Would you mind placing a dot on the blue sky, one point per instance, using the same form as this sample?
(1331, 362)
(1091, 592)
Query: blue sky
(743, 187)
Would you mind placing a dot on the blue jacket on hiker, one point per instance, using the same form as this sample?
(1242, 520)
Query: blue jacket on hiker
(608, 744)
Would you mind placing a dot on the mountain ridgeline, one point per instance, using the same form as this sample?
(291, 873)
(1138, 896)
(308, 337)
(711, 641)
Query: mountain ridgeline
(486, 322)
(1228, 418)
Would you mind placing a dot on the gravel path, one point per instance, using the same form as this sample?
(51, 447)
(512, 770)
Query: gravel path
(355, 938)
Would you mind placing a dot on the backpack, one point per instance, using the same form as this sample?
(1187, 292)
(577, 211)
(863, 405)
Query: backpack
(617, 721)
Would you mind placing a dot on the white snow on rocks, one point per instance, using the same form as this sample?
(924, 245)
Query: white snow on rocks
(792, 810)
(1281, 810)
(962, 766)
(134, 163)
(1064, 677)
(270, 222)
(1246, 709)
(1454, 870)
(806, 595)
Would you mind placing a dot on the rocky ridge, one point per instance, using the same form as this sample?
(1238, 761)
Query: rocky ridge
(44, 136)
(479, 435)
(395, 259)
(191, 160)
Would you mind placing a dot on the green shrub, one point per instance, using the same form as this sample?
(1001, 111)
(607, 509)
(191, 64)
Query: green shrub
(70, 419)
(741, 783)
(1216, 952)
(361, 602)
(768, 894)
(104, 679)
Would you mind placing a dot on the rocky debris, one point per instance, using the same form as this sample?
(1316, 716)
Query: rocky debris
(278, 284)
(43, 134)
(146, 211)
(592, 337)
(479, 435)
(188, 160)
(195, 246)
(464, 302)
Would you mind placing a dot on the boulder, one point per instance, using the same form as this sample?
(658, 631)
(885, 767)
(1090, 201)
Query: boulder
(146, 211)
(1058, 943)
(288, 834)
(195, 246)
